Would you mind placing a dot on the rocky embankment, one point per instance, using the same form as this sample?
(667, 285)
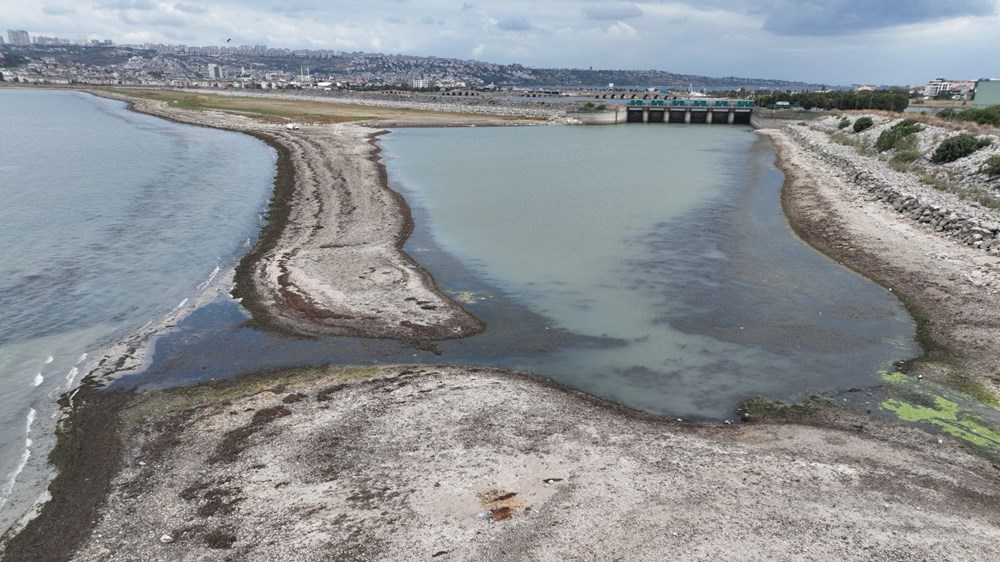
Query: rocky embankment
(951, 212)
(938, 251)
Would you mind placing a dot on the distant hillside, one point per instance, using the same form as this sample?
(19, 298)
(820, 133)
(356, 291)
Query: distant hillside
(539, 77)
(377, 68)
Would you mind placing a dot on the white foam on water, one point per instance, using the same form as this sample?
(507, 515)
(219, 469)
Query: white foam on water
(71, 376)
(39, 379)
(8, 486)
(178, 307)
(49, 360)
(31, 420)
(81, 359)
(204, 284)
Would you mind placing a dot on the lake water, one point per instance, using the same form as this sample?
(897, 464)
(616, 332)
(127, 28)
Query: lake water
(648, 264)
(667, 242)
(110, 220)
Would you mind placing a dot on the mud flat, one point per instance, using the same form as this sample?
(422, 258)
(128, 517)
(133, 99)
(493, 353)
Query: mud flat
(420, 463)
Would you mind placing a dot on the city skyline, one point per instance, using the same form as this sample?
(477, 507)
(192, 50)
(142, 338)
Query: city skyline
(830, 41)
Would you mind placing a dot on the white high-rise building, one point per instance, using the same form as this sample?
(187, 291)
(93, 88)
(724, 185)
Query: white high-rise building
(214, 71)
(18, 37)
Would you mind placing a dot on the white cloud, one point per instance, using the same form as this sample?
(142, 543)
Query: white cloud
(621, 29)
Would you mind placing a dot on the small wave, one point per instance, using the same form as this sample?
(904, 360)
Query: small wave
(204, 284)
(8, 486)
(39, 379)
(180, 306)
(49, 360)
(81, 359)
(31, 419)
(71, 376)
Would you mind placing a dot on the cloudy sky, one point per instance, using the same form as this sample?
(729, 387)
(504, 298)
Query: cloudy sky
(836, 42)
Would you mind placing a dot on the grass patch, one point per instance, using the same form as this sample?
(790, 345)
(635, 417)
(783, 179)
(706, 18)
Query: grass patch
(281, 110)
(991, 166)
(978, 195)
(846, 140)
(905, 157)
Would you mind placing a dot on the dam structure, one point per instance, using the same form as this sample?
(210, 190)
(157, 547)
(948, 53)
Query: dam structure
(718, 112)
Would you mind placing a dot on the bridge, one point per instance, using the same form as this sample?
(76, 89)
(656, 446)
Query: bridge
(724, 112)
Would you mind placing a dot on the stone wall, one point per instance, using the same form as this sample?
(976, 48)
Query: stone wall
(964, 221)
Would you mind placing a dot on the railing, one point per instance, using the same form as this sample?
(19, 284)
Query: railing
(691, 103)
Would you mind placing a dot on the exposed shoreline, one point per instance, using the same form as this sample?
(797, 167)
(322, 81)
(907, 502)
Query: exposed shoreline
(950, 288)
(332, 205)
(460, 464)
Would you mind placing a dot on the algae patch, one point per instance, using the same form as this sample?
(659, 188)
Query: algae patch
(950, 411)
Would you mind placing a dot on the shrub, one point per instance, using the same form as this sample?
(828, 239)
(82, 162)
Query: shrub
(844, 122)
(982, 115)
(863, 123)
(906, 156)
(992, 165)
(890, 138)
(958, 146)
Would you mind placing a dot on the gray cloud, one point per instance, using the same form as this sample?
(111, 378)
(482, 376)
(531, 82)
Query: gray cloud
(468, 6)
(53, 10)
(845, 17)
(612, 11)
(514, 24)
(190, 9)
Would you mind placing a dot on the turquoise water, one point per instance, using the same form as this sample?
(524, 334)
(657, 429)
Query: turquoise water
(668, 243)
(110, 220)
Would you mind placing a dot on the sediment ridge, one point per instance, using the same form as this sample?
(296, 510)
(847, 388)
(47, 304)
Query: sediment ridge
(334, 265)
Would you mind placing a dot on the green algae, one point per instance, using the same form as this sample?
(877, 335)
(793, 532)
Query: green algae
(955, 413)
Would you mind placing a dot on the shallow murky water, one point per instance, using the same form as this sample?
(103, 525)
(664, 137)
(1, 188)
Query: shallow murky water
(650, 265)
(109, 220)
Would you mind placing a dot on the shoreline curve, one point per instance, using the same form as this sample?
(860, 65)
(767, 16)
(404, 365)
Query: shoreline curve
(330, 261)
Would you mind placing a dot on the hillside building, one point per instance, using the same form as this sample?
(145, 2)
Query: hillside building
(18, 37)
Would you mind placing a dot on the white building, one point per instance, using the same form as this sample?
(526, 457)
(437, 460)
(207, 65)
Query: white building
(18, 37)
(418, 83)
(936, 86)
(214, 71)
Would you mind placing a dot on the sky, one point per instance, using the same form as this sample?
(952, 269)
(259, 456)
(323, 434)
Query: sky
(832, 42)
